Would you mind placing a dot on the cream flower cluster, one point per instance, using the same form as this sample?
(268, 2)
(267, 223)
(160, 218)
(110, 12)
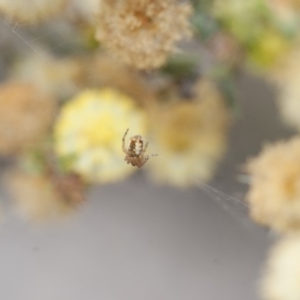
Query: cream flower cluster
(143, 33)
(190, 137)
(274, 195)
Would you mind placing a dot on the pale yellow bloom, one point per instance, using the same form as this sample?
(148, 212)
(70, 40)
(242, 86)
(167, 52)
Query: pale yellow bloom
(190, 138)
(282, 278)
(143, 33)
(90, 130)
(274, 195)
(31, 11)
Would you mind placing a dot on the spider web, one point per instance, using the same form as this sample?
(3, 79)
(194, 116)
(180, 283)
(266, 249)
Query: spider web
(58, 38)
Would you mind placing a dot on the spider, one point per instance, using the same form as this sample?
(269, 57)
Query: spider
(135, 151)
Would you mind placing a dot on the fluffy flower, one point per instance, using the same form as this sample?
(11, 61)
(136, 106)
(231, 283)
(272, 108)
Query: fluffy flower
(282, 277)
(190, 138)
(89, 130)
(54, 76)
(31, 11)
(26, 114)
(143, 33)
(274, 195)
(286, 77)
(36, 197)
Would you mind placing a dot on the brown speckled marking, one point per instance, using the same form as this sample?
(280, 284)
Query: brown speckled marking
(135, 151)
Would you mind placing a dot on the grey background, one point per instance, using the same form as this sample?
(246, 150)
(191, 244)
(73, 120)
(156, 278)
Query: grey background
(135, 240)
(138, 241)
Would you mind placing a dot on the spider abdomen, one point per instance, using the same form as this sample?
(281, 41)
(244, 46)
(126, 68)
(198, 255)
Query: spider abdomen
(135, 153)
(136, 145)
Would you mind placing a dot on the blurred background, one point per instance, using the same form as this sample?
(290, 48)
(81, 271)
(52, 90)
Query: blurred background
(206, 83)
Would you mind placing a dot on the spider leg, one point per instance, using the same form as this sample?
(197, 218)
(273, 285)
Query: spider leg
(123, 141)
(145, 159)
(145, 148)
(140, 162)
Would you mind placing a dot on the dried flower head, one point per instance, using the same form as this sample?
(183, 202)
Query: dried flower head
(38, 198)
(190, 137)
(89, 130)
(282, 278)
(31, 11)
(274, 195)
(143, 33)
(26, 114)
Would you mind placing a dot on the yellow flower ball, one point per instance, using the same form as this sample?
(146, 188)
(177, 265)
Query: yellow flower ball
(190, 137)
(89, 130)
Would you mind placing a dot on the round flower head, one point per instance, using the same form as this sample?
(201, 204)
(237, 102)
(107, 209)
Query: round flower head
(142, 33)
(274, 195)
(31, 11)
(89, 131)
(282, 277)
(190, 138)
(26, 114)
